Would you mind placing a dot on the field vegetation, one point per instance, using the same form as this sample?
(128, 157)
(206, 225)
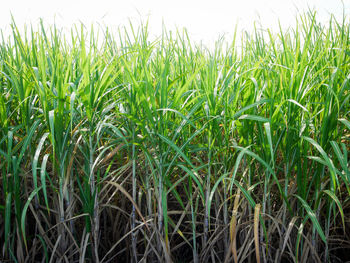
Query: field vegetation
(126, 149)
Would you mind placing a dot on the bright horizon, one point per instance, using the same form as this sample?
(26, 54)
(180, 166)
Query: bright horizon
(205, 20)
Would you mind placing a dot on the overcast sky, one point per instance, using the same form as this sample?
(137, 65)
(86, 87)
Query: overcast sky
(205, 20)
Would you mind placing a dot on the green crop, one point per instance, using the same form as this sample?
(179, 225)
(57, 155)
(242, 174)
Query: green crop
(122, 148)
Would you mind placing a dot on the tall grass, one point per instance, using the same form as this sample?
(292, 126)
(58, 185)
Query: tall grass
(137, 150)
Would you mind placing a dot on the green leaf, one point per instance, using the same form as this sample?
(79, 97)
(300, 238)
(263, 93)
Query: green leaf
(313, 218)
(7, 218)
(24, 213)
(253, 105)
(337, 201)
(253, 118)
(43, 179)
(345, 122)
(36, 158)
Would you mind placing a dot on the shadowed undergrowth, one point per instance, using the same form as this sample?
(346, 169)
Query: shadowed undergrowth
(136, 150)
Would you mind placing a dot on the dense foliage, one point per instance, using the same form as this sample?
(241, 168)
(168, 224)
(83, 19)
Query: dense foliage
(127, 149)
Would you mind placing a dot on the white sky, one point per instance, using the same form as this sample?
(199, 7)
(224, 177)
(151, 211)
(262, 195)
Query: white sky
(205, 20)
